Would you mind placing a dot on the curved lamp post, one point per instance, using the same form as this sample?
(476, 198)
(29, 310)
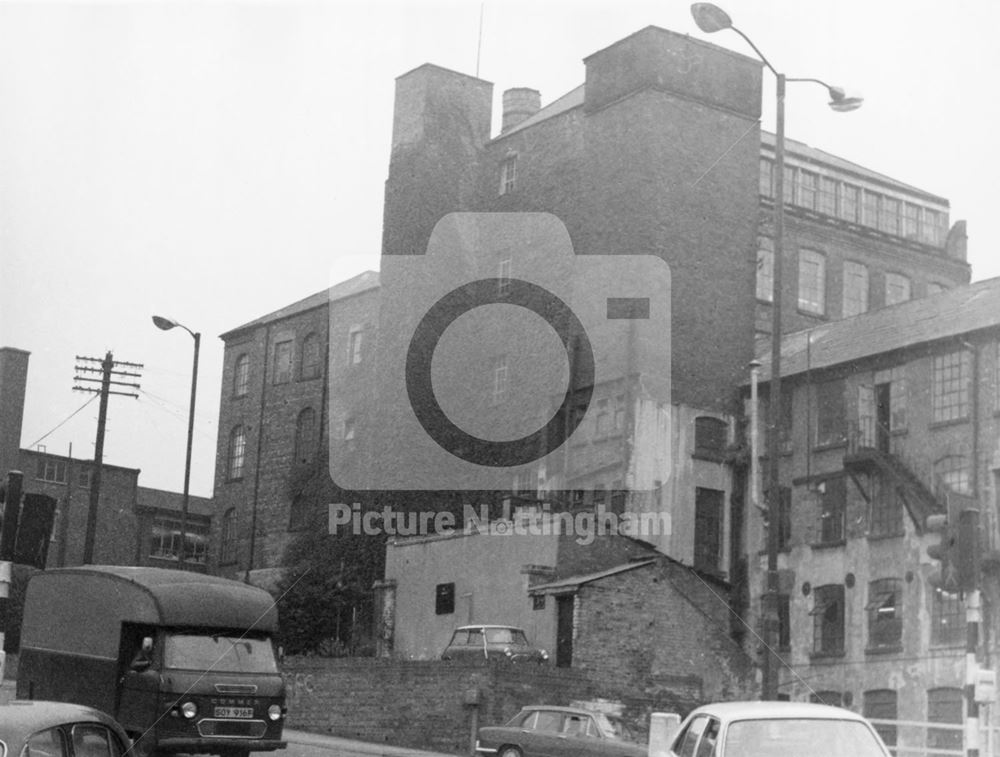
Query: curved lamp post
(166, 324)
(711, 18)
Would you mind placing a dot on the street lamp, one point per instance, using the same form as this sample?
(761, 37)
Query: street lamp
(166, 324)
(711, 18)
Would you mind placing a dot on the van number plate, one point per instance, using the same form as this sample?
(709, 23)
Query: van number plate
(234, 712)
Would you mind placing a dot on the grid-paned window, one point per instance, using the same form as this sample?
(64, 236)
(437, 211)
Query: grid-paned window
(237, 451)
(870, 208)
(808, 182)
(283, 362)
(855, 288)
(765, 269)
(886, 509)
(508, 174)
(241, 376)
(812, 281)
(948, 625)
(934, 228)
(911, 220)
(827, 199)
(165, 542)
(880, 704)
(849, 200)
(897, 288)
(53, 471)
(955, 473)
(888, 218)
(767, 177)
(945, 705)
(885, 613)
(310, 367)
(950, 395)
(789, 188)
(828, 619)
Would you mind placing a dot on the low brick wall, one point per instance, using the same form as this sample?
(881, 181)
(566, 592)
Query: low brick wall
(432, 704)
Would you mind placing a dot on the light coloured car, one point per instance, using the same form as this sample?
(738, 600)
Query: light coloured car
(485, 642)
(560, 732)
(775, 729)
(58, 729)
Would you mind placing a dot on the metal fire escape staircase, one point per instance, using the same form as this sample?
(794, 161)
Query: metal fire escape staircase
(869, 452)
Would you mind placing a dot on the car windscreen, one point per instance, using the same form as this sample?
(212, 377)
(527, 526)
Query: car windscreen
(506, 636)
(794, 737)
(220, 653)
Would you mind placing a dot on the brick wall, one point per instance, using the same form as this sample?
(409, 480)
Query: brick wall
(422, 703)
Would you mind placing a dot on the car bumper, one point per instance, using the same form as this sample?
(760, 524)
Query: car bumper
(480, 749)
(182, 744)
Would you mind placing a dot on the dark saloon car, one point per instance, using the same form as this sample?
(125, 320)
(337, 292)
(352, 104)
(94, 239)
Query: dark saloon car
(58, 729)
(560, 732)
(492, 642)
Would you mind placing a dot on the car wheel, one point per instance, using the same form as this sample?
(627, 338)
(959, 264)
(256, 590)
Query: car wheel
(509, 751)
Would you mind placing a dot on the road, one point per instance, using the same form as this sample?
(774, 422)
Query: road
(301, 744)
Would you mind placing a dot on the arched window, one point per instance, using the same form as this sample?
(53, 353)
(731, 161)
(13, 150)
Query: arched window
(237, 451)
(885, 613)
(241, 376)
(310, 367)
(227, 538)
(305, 436)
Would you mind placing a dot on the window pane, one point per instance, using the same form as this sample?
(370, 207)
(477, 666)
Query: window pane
(855, 288)
(241, 376)
(831, 413)
(765, 269)
(950, 397)
(283, 362)
(812, 281)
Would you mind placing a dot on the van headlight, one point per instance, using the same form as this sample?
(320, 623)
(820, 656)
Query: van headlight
(274, 711)
(189, 710)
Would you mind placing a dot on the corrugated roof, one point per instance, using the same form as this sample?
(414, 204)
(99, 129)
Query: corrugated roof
(947, 314)
(586, 578)
(356, 285)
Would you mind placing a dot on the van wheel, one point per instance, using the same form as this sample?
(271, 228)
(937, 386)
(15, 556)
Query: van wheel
(509, 751)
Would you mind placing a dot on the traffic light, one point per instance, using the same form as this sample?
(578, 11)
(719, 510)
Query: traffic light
(967, 549)
(35, 530)
(946, 578)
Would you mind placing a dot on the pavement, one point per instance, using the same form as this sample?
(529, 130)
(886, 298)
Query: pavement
(333, 744)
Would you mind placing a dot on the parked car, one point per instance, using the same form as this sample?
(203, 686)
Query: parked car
(560, 732)
(486, 642)
(775, 729)
(58, 729)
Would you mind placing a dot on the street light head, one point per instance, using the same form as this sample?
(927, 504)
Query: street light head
(164, 323)
(710, 18)
(842, 102)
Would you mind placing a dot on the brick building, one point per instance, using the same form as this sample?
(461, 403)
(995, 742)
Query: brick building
(892, 416)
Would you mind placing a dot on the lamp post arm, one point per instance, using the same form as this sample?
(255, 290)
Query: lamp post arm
(756, 49)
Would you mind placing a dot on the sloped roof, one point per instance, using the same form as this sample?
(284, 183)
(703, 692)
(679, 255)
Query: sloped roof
(356, 285)
(164, 500)
(567, 584)
(944, 315)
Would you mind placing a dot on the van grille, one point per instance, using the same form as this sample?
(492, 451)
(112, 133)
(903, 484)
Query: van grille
(232, 729)
(236, 688)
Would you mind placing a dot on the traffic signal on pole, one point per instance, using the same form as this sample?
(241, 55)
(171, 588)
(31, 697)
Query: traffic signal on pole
(967, 550)
(946, 577)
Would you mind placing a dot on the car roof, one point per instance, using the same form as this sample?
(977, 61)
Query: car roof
(729, 711)
(487, 625)
(23, 717)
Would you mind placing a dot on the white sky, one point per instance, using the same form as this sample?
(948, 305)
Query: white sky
(215, 161)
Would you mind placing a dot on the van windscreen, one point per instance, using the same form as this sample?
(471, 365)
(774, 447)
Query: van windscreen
(219, 653)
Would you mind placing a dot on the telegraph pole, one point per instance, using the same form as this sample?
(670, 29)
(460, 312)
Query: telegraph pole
(11, 515)
(109, 368)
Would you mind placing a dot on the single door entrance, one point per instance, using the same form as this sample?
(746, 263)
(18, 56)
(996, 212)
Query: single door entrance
(564, 630)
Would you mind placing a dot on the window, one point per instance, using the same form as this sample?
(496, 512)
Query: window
(888, 217)
(934, 228)
(766, 177)
(831, 413)
(49, 743)
(305, 436)
(911, 220)
(354, 341)
(227, 537)
(709, 436)
(538, 602)
(283, 362)
(828, 620)
(833, 507)
(880, 704)
(870, 209)
(954, 473)
(944, 705)
(812, 282)
(508, 174)
(948, 625)
(444, 599)
(788, 191)
(50, 470)
(855, 289)
(950, 394)
(897, 288)
(765, 269)
(686, 742)
(827, 196)
(807, 189)
(885, 613)
(241, 376)
(708, 528)
(501, 379)
(886, 509)
(83, 478)
(237, 449)
(849, 202)
(310, 367)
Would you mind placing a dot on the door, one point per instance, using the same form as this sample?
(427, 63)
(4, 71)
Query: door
(883, 416)
(564, 630)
